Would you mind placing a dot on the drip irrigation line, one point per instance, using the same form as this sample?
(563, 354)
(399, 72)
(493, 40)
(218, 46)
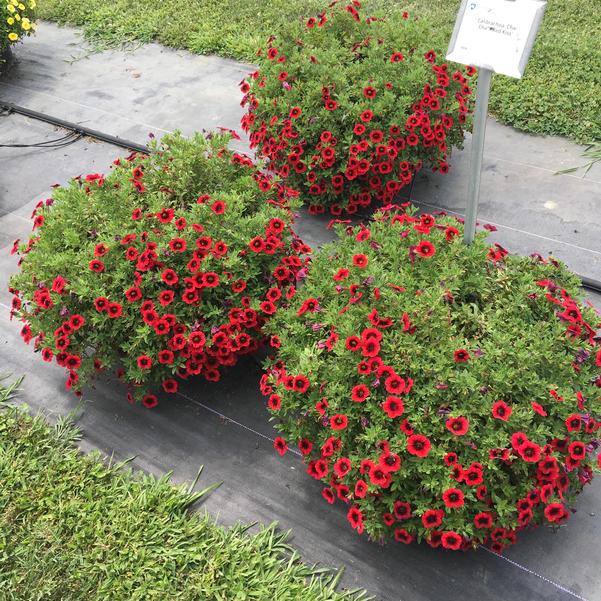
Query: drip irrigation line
(70, 138)
(590, 284)
(74, 127)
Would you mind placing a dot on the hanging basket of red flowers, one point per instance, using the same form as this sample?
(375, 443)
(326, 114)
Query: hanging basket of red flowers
(350, 108)
(444, 393)
(166, 268)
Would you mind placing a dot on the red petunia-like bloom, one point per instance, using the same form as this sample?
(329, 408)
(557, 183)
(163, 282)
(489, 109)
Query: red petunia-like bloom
(342, 467)
(177, 245)
(501, 410)
(370, 92)
(461, 356)
(418, 445)
(401, 535)
(165, 215)
(556, 513)
(472, 476)
(360, 489)
(425, 249)
(218, 207)
(274, 402)
(432, 518)
(133, 294)
(530, 452)
(170, 386)
(328, 495)
(100, 250)
(395, 384)
(144, 362)
(379, 476)
(96, 265)
(360, 393)
(450, 233)
(341, 274)
(150, 401)
(77, 321)
(353, 344)
(339, 421)
(301, 384)
(539, 409)
(577, 450)
(573, 423)
(393, 406)
(355, 518)
(402, 510)
(169, 277)
(366, 116)
(305, 446)
(451, 540)
(518, 439)
(360, 261)
(166, 357)
(115, 310)
(279, 444)
(483, 520)
(453, 497)
(457, 425)
(391, 462)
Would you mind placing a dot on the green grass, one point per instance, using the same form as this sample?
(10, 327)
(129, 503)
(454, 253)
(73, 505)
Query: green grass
(73, 527)
(559, 94)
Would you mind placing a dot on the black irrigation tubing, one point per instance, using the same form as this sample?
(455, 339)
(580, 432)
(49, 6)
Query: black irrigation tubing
(587, 283)
(79, 129)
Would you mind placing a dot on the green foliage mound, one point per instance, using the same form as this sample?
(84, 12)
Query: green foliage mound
(445, 393)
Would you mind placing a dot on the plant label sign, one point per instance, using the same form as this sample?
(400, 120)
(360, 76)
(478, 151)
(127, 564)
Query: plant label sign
(497, 35)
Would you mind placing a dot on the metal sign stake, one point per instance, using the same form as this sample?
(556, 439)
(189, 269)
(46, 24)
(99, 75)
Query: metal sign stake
(496, 36)
(478, 134)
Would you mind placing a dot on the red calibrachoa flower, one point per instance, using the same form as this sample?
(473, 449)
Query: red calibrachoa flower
(425, 249)
(360, 393)
(501, 410)
(432, 518)
(453, 497)
(457, 425)
(360, 261)
(144, 362)
(280, 445)
(393, 406)
(461, 356)
(332, 125)
(556, 513)
(451, 540)
(169, 292)
(338, 421)
(418, 445)
(419, 432)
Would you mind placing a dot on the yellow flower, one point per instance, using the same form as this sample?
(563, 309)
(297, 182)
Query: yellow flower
(10, 8)
(15, 2)
(10, 21)
(26, 25)
(17, 17)
(13, 37)
(21, 7)
(32, 4)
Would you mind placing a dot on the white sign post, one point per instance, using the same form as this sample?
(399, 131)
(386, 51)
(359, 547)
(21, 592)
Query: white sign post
(496, 36)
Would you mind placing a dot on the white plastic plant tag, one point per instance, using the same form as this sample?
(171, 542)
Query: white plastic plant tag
(496, 34)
